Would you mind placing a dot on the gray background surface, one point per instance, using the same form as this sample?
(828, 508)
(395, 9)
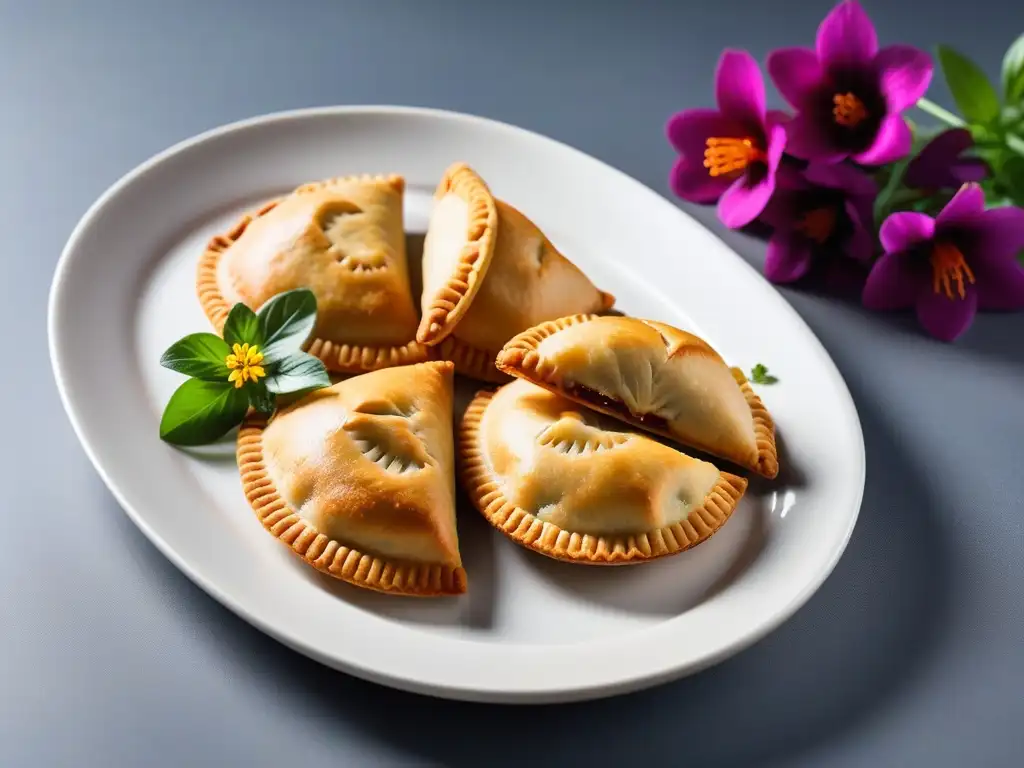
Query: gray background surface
(912, 654)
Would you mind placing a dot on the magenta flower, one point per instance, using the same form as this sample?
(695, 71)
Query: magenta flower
(939, 164)
(730, 154)
(950, 266)
(819, 216)
(849, 94)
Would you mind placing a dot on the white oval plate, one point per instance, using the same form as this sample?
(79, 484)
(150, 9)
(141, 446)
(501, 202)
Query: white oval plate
(529, 629)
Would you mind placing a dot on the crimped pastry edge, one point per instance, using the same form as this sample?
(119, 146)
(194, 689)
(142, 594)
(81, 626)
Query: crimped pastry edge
(555, 542)
(472, 361)
(452, 301)
(519, 358)
(320, 551)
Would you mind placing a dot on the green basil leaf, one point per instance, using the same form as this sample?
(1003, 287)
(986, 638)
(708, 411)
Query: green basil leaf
(286, 322)
(297, 372)
(972, 91)
(260, 397)
(242, 327)
(199, 412)
(1013, 72)
(200, 355)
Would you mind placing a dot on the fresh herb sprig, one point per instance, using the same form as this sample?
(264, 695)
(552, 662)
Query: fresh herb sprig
(759, 375)
(259, 358)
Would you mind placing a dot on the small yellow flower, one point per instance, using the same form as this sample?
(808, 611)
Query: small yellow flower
(244, 363)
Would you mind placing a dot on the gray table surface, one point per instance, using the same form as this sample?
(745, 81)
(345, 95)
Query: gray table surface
(912, 653)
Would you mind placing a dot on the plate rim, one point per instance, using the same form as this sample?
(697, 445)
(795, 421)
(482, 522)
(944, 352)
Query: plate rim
(578, 691)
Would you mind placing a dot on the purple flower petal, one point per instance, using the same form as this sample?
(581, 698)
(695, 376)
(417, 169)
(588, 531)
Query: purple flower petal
(902, 231)
(846, 38)
(797, 73)
(938, 164)
(950, 142)
(775, 137)
(970, 170)
(806, 139)
(893, 283)
(844, 178)
(892, 142)
(964, 210)
(688, 131)
(791, 178)
(865, 207)
(997, 235)
(1000, 285)
(860, 245)
(691, 181)
(781, 211)
(743, 202)
(739, 88)
(788, 258)
(904, 73)
(844, 277)
(946, 318)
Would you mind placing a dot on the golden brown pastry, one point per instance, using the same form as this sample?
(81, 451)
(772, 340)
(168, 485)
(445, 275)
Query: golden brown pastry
(341, 238)
(577, 486)
(456, 251)
(358, 480)
(653, 376)
(524, 282)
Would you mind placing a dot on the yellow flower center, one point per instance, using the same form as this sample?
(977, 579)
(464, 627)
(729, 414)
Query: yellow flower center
(818, 224)
(728, 155)
(849, 111)
(244, 362)
(949, 268)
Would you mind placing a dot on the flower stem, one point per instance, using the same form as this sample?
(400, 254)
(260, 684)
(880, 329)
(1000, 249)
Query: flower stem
(935, 110)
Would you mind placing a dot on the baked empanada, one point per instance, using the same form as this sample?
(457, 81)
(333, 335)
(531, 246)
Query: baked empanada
(358, 479)
(341, 238)
(518, 278)
(577, 486)
(457, 250)
(653, 376)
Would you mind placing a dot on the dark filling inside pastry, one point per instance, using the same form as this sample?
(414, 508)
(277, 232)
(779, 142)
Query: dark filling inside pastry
(595, 398)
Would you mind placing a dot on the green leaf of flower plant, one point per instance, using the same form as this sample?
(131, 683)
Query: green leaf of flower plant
(242, 327)
(973, 93)
(1012, 178)
(884, 199)
(199, 412)
(260, 397)
(297, 372)
(1011, 118)
(1013, 72)
(200, 355)
(1016, 143)
(286, 322)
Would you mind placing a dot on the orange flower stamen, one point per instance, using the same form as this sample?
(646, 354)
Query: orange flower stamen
(818, 224)
(849, 111)
(729, 155)
(949, 267)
